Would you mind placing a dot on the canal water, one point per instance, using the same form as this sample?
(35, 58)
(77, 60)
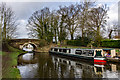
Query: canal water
(44, 65)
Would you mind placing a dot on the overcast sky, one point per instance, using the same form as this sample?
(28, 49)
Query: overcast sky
(23, 10)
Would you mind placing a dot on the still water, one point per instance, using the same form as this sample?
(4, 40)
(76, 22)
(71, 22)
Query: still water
(44, 65)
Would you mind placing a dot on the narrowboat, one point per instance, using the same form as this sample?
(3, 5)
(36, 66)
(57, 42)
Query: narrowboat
(94, 55)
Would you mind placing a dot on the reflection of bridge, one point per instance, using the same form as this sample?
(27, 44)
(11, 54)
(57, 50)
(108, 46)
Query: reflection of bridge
(20, 43)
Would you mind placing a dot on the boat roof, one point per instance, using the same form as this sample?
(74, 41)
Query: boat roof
(81, 48)
(72, 48)
(107, 49)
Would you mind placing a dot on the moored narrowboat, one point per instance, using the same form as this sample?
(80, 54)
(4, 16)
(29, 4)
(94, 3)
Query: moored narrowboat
(94, 55)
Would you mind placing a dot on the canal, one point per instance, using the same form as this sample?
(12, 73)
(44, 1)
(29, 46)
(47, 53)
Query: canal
(44, 65)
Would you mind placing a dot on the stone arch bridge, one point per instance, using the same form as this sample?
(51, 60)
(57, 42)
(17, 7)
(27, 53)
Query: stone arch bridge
(20, 43)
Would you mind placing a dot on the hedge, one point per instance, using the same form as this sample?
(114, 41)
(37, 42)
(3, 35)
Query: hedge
(104, 43)
(110, 43)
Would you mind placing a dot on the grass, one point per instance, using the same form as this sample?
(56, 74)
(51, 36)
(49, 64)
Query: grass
(10, 62)
(117, 50)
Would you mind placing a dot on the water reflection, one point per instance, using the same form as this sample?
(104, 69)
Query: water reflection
(28, 70)
(43, 65)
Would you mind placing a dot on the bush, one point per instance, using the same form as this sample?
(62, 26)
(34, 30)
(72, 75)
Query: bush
(42, 43)
(110, 43)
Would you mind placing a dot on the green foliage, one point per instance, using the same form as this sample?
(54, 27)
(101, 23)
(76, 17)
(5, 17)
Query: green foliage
(42, 43)
(62, 36)
(49, 37)
(110, 43)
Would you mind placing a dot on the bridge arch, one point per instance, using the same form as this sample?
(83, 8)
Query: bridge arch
(33, 44)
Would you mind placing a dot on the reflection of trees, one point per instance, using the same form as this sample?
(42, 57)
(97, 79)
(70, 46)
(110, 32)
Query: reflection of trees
(87, 72)
(49, 68)
(46, 67)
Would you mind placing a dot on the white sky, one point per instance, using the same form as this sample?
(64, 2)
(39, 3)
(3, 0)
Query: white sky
(25, 8)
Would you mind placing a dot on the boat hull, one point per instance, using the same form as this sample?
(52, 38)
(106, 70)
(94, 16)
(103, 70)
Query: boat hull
(73, 56)
(100, 61)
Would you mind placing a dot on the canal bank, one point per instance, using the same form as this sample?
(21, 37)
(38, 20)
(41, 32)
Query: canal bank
(9, 62)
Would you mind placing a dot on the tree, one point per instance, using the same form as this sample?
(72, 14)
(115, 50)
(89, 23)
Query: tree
(70, 17)
(62, 27)
(98, 21)
(54, 23)
(84, 17)
(39, 25)
(8, 22)
(111, 29)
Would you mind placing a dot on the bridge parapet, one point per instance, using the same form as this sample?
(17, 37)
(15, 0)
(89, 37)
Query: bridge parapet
(20, 43)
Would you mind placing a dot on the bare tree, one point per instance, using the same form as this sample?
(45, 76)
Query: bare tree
(62, 27)
(39, 25)
(70, 18)
(8, 22)
(112, 28)
(84, 17)
(54, 23)
(98, 21)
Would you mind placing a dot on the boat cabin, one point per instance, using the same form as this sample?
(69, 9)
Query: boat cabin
(65, 50)
(85, 52)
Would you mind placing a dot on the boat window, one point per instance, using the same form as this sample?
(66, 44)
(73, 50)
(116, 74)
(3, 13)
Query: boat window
(60, 50)
(91, 52)
(78, 52)
(56, 59)
(69, 63)
(60, 60)
(86, 52)
(64, 61)
(69, 51)
(55, 49)
(64, 50)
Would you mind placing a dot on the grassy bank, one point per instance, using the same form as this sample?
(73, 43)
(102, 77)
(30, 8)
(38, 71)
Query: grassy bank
(9, 63)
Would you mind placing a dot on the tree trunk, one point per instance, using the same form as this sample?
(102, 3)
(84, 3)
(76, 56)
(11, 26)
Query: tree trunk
(71, 36)
(110, 34)
(55, 37)
(98, 36)
(4, 31)
(82, 35)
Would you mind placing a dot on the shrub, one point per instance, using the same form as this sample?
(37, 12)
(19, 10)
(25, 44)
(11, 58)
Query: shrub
(42, 43)
(110, 43)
